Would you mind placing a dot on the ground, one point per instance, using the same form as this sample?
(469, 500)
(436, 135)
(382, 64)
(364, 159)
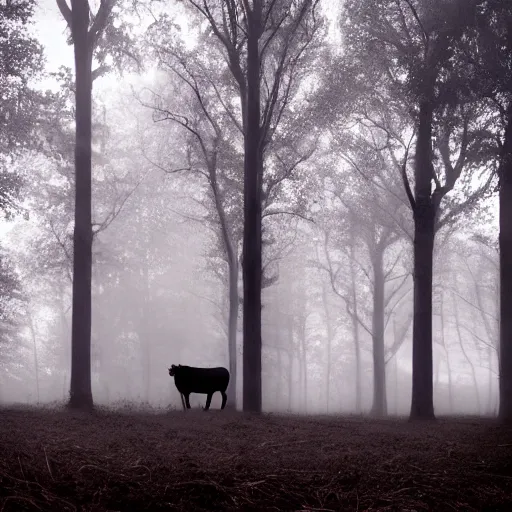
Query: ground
(219, 460)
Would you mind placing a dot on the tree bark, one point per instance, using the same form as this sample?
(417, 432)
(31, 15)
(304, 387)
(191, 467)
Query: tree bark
(253, 174)
(505, 242)
(80, 395)
(422, 403)
(379, 407)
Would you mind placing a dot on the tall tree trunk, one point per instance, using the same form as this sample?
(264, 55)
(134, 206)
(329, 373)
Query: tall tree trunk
(144, 337)
(422, 403)
(234, 298)
(490, 381)
(305, 381)
(232, 332)
(253, 177)
(505, 241)
(80, 395)
(279, 378)
(290, 361)
(447, 354)
(355, 324)
(34, 348)
(328, 348)
(379, 407)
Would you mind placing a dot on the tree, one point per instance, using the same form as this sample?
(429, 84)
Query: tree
(85, 33)
(489, 53)
(413, 56)
(266, 45)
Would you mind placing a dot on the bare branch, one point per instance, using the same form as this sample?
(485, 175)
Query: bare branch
(65, 11)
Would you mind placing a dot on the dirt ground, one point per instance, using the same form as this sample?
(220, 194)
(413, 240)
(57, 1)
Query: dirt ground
(195, 461)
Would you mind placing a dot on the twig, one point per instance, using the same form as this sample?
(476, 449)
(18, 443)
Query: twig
(21, 468)
(48, 463)
(20, 498)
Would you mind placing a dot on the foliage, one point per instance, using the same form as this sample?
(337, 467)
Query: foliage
(21, 62)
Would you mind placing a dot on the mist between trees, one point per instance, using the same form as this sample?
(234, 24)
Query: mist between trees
(309, 195)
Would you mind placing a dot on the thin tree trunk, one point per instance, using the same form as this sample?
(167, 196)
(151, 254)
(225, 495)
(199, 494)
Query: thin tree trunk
(379, 407)
(422, 403)
(490, 379)
(328, 348)
(232, 333)
(34, 347)
(80, 389)
(234, 298)
(304, 360)
(144, 337)
(290, 361)
(279, 378)
(253, 177)
(505, 242)
(355, 325)
(464, 353)
(447, 354)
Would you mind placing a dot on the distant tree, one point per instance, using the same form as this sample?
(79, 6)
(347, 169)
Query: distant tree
(409, 52)
(372, 200)
(12, 307)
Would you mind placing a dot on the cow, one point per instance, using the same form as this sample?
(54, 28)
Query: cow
(189, 379)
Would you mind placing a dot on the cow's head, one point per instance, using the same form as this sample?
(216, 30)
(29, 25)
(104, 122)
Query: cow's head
(172, 370)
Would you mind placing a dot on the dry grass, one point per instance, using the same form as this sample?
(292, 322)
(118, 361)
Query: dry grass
(63, 461)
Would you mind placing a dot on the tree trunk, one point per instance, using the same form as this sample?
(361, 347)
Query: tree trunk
(290, 362)
(447, 354)
(253, 176)
(395, 360)
(232, 332)
(355, 326)
(379, 407)
(144, 337)
(34, 344)
(505, 241)
(490, 379)
(329, 348)
(279, 377)
(422, 403)
(465, 354)
(80, 395)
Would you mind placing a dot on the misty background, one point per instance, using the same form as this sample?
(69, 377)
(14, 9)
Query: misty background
(335, 219)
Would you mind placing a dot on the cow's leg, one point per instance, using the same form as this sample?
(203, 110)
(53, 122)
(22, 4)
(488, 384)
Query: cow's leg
(183, 401)
(187, 399)
(208, 401)
(224, 399)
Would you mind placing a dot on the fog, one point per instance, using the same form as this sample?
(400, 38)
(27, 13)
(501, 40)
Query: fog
(160, 284)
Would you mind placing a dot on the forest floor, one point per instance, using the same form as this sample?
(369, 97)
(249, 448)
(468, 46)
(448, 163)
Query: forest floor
(220, 460)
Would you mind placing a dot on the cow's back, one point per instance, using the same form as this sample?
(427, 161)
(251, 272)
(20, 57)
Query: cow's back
(190, 379)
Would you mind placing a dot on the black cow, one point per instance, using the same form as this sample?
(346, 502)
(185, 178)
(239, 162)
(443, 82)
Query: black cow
(189, 379)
